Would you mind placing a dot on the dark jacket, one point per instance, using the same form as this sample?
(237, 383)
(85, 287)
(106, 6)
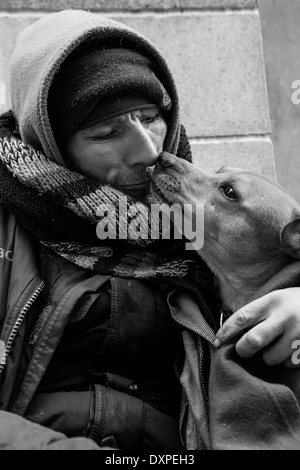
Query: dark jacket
(227, 402)
(72, 351)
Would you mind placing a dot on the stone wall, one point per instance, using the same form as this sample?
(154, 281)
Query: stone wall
(213, 47)
(281, 37)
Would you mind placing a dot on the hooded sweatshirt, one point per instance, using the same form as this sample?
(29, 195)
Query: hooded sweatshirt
(48, 43)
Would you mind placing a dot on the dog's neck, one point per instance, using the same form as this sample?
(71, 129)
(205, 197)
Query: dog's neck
(240, 285)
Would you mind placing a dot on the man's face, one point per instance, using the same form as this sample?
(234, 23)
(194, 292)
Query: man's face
(118, 151)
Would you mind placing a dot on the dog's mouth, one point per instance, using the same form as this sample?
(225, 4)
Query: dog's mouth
(156, 193)
(164, 188)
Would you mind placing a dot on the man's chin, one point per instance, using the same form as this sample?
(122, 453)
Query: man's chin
(139, 192)
(140, 197)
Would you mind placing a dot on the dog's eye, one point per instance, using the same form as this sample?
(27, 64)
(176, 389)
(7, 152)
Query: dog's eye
(229, 192)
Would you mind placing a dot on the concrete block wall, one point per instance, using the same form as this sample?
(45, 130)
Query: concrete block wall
(281, 38)
(213, 47)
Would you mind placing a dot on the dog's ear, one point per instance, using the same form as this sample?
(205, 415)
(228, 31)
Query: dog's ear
(290, 238)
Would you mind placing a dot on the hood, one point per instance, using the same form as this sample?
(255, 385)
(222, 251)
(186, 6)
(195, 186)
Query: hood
(39, 52)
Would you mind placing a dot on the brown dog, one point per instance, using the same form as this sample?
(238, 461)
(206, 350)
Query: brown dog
(251, 224)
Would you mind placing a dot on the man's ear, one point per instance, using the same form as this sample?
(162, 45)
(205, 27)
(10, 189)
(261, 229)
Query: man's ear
(290, 238)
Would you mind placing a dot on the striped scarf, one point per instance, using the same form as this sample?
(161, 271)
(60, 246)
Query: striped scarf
(59, 208)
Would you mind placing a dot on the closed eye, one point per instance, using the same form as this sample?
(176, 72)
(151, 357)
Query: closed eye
(105, 136)
(150, 119)
(229, 192)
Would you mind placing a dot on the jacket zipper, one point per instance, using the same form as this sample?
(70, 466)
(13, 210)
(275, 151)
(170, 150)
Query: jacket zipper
(206, 438)
(202, 381)
(18, 323)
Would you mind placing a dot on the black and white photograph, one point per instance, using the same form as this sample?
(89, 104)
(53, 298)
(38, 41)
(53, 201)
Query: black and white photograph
(150, 228)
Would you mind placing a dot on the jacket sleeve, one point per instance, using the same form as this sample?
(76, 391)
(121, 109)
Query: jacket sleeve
(108, 417)
(17, 433)
(132, 423)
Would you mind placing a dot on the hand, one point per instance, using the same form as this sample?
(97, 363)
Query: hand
(272, 323)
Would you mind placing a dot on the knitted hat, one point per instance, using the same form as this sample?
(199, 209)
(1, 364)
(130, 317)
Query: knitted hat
(94, 84)
(114, 105)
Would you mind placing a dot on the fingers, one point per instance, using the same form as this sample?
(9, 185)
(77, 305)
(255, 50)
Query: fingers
(282, 351)
(243, 319)
(270, 324)
(258, 338)
(235, 324)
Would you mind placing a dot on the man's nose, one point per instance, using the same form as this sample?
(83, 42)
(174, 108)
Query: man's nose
(144, 147)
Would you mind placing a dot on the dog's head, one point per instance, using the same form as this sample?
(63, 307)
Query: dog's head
(248, 219)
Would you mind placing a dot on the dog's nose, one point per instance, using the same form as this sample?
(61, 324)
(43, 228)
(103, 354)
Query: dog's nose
(164, 159)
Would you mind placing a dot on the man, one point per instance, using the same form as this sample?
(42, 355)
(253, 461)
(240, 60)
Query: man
(89, 347)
